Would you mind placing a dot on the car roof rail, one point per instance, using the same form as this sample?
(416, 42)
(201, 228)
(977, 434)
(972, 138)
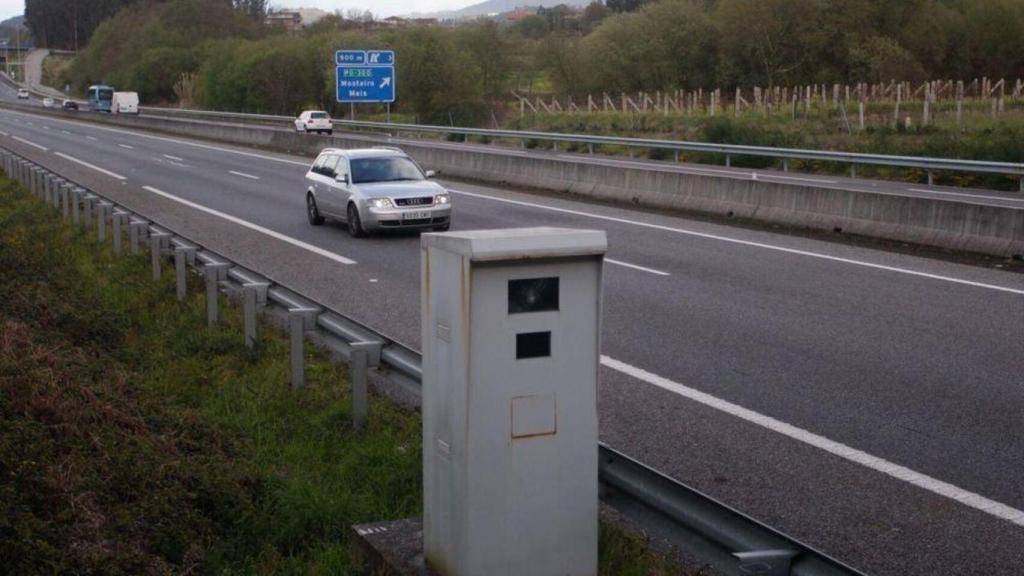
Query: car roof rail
(392, 148)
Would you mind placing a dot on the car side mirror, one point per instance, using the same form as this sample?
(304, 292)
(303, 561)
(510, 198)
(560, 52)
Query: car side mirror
(431, 173)
(343, 178)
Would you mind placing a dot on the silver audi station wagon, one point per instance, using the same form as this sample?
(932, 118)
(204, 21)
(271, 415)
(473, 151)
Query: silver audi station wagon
(375, 189)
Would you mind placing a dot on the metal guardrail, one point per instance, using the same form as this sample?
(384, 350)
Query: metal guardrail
(758, 548)
(930, 165)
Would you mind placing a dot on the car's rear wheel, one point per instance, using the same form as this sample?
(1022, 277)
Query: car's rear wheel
(355, 225)
(330, 132)
(312, 212)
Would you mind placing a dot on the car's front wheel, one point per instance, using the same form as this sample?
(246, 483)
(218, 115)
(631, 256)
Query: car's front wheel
(355, 225)
(312, 212)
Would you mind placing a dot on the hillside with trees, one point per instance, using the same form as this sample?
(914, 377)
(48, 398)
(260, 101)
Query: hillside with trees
(227, 59)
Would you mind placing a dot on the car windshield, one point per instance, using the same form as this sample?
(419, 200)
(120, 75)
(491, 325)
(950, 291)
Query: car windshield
(106, 94)
(386, 169)
(318, 115)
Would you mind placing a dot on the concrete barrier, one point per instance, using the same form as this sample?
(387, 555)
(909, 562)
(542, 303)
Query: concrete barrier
(949, 224)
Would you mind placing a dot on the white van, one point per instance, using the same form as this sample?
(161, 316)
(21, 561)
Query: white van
(125, 103)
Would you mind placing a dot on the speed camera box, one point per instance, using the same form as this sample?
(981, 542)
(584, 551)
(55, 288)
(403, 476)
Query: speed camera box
(511, 330)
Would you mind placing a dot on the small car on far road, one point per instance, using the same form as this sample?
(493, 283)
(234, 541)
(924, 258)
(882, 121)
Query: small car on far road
(22, 94)
(69, 105)
(374, 189)
(314, 121)
(48, 102)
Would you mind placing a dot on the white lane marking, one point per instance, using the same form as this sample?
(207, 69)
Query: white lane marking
(93, 166)
(749, 243)
(30, 143)
(965, 194)
(127, 146)
(65, 132)
(46, 127)
(2, 133)
(256, 227)
(875, 463)
(187, 143)
(169, 157)
(635, 267)
(244, 175)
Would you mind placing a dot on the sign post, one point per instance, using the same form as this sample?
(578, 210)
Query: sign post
(365, 76)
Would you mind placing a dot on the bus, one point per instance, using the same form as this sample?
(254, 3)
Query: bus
(100, 96)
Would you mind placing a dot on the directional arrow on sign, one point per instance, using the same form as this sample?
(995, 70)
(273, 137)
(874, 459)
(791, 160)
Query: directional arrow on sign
(386, 82)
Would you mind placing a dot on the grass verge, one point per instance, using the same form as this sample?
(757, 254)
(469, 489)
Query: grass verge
(133, 440)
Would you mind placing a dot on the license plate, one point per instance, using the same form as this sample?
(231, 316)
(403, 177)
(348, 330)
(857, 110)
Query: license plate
(417, 215)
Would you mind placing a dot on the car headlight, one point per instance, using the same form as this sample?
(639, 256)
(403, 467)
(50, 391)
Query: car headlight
(380, 203)
(442, 198)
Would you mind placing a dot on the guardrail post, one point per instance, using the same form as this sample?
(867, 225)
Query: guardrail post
(57, 193)
(359, 361)
(48, 187)
(931, 178)
(116, 219)
(255, 294)
(103, 208)
(33, 181)
(785, 164)
(76, 204)
(51, 190)
(590, 148)
(180, 269)
(1022, 184)
(137, 230)
(853, 170)
(213, 272)
(728, 161)
(765, 562)
(156, 242)
(297, 319)
(87, 203)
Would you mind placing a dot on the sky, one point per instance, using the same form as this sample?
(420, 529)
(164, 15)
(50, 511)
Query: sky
(382, 8)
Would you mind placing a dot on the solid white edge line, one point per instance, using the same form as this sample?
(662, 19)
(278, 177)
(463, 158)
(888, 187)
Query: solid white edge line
(748, 243)
(127, 146)
(891, 469)
(635, 267)
(30, 143)
(93, 166)
(169, 157)
(273, 234)
(965, 194)
(244, 175)
(2, 133)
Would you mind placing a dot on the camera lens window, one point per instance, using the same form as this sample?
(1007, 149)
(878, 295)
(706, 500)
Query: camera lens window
(532, 295)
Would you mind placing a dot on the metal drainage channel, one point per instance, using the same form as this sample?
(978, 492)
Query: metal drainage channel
(683, 512)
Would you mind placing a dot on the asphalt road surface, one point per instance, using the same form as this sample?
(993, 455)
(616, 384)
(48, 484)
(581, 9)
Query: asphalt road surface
(869, 403)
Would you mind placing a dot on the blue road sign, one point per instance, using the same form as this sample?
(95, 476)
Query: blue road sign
(380, 57)
(366, 83)
(350, 58)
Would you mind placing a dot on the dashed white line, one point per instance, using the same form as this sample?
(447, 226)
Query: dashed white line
(169, 157)
(65, 132)
(244, 175)
(965, 194)
(748, 243)
(891, 469)
(93, 166)
(5, 134)
(127, 146)
(635, 267)
(46, 127)
(91, 137)
(30, 143)
(273, 234)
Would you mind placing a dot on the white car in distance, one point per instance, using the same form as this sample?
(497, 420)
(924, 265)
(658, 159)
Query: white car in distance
(314, 121)
(48, 102)
(22, 94)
